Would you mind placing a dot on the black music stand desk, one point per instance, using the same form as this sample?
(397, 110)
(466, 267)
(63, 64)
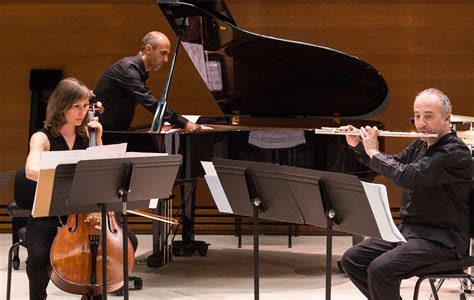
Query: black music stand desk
(105, 185)
(302, 196)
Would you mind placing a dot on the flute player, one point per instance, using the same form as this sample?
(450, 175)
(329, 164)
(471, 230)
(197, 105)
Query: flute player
(435, 173)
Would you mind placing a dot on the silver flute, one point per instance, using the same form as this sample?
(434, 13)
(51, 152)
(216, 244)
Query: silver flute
(339, 131)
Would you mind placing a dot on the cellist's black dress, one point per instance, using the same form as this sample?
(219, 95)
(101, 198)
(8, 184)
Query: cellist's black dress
(40, 232)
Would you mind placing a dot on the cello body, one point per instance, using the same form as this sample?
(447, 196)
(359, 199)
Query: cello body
(72, 265)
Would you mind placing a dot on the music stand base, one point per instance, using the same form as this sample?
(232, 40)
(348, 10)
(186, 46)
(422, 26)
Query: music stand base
(137, 285)
(181, 248)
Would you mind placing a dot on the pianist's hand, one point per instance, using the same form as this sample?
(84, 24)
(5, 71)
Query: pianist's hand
(352, 140)
(192, 127)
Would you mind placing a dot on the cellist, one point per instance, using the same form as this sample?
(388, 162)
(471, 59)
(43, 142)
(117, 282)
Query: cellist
(65, 128)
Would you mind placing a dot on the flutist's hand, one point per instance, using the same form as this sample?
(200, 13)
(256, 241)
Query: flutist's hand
(352, 140)
(369, 136)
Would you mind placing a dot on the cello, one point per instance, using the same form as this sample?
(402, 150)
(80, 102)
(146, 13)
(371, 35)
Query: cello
(76, 252)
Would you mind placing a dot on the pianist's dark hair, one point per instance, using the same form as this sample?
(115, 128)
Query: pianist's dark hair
(65, 95)
(446, 106)
(150, 38)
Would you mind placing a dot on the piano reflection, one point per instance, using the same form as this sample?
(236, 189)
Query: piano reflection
(261, 81)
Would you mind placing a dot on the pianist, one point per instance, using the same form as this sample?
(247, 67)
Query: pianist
(436, 176)
(123, 86)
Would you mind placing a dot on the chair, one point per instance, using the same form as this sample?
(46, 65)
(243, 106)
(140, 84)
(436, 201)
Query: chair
(454, 269)
(19, 218)
(20, 210)
(14, 251)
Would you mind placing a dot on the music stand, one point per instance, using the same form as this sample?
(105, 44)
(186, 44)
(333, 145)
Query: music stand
(296, 195)
(108, 185)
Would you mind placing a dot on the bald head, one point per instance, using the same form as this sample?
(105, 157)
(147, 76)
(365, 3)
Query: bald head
(154, 38)
(432, 112)
(154, 50)
(445, 104)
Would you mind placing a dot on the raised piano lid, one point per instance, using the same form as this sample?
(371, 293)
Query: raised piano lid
(257, 75)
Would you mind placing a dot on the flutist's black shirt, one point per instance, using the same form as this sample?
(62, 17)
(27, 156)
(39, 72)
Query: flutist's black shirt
(121, 88)
(437, 184)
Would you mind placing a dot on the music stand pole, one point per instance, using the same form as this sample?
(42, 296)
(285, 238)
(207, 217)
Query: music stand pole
(256, 259)
(104, 249)
(123, 193)
(330, 222)
(331, 219)
(258, 206)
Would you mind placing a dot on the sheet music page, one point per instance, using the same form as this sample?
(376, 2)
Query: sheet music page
(196, 54)
(105, 151)
(192, 118)
(51, 159)
(144, 154)
(378, 200)
(215, 187)
(153, 203)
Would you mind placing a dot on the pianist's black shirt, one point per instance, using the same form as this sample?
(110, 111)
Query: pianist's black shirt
(121, 87)
(437, 184)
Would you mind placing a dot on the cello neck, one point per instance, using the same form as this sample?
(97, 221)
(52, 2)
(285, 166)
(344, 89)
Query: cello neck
(92, 137)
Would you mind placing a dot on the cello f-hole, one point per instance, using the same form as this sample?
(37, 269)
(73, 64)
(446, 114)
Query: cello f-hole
(71, 229)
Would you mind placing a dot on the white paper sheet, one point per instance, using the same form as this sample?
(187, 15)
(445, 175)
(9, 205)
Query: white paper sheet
(277, 139)
(153, 203)
(378, 200)
(144, 154)
(51, 159)
(215, 187)
(106, 151)
(192, 118)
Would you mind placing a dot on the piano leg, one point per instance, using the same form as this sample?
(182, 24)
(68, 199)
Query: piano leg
(188, 194)
(188, 245)
(194, 149)
(161, 233)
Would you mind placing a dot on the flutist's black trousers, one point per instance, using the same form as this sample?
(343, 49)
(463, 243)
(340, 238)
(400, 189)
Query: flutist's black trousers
(40, 234)
(377, 267)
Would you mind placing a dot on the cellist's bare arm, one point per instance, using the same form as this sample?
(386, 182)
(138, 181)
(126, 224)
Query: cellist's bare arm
(38, 143)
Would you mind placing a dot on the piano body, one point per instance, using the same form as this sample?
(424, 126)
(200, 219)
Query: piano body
(260, 81)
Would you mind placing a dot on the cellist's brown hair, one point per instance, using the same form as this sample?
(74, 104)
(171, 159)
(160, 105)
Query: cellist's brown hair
(65, 95)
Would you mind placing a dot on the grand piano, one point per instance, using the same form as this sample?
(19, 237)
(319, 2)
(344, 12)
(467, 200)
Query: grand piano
(265, 84)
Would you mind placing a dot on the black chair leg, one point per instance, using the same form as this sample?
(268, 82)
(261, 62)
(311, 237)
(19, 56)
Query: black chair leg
(290, 233)
(434, 289)
(12, 250)
(16, 257)
(238, 231)
(15, 228)
(417, 288)
(17, 224)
